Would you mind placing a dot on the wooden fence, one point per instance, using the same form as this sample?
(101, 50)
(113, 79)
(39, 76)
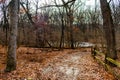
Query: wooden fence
(100, 57)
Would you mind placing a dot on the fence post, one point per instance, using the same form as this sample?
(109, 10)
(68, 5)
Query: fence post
(93, 51)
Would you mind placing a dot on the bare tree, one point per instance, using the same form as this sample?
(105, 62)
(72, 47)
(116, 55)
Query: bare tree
(27, 10)
(62, 29)
(109, 30)
(11, 54)
(5, 23)
(61, 13)
(116, 13)
(69, 11)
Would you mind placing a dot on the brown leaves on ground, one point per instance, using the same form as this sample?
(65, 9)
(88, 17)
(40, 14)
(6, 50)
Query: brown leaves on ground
(46, 64)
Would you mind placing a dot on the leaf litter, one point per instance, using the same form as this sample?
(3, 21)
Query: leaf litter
(67, 64)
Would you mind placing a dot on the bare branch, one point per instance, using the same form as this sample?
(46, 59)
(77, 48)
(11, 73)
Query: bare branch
(64, 4)
(29, 16)
(109, 1)
(50, 6)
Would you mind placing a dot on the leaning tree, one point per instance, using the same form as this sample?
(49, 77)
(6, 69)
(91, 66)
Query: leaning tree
(109, 30)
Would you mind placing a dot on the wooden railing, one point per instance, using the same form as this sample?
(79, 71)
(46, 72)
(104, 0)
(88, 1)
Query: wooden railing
(97, 56)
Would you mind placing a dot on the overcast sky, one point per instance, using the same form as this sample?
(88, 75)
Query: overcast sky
(88, 2)
(0, 12)
(43, 2)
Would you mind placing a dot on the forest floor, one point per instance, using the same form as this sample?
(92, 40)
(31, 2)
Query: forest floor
(48, 64)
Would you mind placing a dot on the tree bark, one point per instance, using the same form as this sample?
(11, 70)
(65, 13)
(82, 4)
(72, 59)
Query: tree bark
(70, 25)
(12, 45)
(62, 33)
(109, 31)
(71, 32)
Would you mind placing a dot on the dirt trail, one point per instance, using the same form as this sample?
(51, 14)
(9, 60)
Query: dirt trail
(56, 65)
(76, 66)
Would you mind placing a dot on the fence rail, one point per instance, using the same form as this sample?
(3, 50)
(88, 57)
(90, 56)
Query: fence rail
(107, 67)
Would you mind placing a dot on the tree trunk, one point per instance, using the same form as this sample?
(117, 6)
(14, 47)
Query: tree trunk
(11, 54)
(70, 18)
(71, 35)
(62, 33)
(109, 31)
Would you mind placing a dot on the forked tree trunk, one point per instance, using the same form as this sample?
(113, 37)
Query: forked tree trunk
(109, 31)
(11, 54)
